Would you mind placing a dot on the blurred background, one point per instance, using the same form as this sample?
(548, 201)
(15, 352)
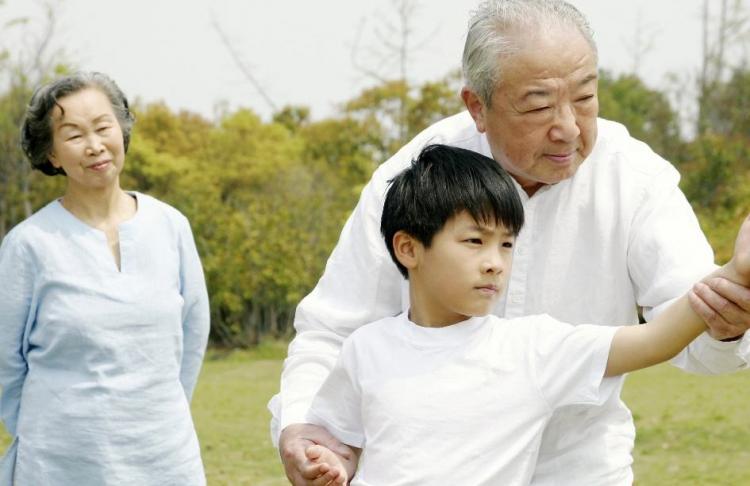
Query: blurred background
(261, 121)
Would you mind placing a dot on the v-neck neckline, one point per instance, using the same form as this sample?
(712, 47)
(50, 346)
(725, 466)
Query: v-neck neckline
(101, 235)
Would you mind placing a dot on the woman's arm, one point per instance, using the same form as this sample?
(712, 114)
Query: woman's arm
(195, 311)
(16, 295)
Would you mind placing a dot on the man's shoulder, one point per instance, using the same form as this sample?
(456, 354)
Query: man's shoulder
(458, 130)
(618, 151)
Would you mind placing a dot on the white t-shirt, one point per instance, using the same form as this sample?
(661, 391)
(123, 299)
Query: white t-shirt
(617, 234)
(463, 404)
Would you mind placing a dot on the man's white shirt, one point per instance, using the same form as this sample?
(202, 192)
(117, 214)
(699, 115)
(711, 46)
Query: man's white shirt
(616, 235)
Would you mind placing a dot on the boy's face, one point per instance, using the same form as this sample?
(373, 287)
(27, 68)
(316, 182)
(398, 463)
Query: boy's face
(463, 272)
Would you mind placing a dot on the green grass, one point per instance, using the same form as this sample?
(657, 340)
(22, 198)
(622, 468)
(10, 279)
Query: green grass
(691, 430)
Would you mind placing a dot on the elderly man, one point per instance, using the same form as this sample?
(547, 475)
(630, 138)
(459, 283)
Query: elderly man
(607, 230)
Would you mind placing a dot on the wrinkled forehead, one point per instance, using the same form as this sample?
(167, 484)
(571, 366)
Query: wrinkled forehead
(547, 35)
(558, 53)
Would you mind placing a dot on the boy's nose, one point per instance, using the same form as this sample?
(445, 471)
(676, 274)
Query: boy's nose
(493, 263)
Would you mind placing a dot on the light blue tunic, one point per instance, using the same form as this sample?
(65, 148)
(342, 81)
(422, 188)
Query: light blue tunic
(97, 365)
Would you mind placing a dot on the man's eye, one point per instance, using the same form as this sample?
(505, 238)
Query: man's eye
(103, 129)
(541, 109)
(586, 98)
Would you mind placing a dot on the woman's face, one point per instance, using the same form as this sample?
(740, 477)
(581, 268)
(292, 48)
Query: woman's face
(87, 140)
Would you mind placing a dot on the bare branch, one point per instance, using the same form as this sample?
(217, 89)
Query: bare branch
(242, 66)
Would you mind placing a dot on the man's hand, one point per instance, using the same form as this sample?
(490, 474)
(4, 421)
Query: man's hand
(724, 304)
(295, 439)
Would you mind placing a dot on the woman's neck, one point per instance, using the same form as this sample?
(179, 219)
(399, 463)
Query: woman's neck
(101, 209)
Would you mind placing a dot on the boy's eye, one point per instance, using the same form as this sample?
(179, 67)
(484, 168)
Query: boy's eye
(508, 244)
(474, 241)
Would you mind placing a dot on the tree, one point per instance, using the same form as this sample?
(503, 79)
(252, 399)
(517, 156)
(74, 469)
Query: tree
(646, 112)
(22, 190)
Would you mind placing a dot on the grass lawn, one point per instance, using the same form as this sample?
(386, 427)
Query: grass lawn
(691, 430)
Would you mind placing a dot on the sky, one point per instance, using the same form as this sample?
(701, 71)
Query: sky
(300, 51)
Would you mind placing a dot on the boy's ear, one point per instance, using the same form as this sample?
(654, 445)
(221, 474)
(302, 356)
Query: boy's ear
(406, 248)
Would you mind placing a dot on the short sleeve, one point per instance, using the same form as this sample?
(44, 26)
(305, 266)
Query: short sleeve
(570, 362)
(337, 406)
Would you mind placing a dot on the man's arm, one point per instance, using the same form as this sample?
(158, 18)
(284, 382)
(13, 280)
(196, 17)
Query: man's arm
(636, 347)
(667, 254)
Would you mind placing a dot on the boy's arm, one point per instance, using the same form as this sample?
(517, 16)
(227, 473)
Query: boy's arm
(636, 347)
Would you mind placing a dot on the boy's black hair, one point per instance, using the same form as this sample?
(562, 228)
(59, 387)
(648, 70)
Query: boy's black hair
(440, 183)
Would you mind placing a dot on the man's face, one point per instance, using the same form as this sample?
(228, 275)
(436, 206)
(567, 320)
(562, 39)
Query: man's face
(541, 124)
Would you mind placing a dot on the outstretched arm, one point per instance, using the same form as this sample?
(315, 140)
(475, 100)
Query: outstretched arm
(636, 347)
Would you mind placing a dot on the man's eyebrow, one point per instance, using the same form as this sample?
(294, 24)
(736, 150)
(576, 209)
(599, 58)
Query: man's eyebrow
(588, 79)
(542, 92)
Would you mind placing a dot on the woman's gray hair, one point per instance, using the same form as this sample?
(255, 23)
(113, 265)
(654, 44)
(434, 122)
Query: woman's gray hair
(36, 130)
(492, 28)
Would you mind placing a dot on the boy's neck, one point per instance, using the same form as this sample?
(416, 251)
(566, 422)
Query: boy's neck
(433, 324)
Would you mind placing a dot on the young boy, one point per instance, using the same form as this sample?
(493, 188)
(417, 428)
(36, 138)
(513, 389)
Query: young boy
(447, 394)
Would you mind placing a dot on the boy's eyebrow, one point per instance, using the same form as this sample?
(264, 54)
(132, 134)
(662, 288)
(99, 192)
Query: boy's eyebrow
(486, 229)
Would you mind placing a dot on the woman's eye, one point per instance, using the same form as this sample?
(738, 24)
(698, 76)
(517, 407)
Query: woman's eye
(102, 129)
(74, 137)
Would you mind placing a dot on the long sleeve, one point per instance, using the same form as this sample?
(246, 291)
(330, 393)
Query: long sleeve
(16, 296)
(195, 311)
(668, 253)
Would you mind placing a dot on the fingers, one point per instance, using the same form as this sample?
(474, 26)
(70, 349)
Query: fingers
(307, 463)
(725, 317)
(321, 436)
(732, 292)
(330, 472)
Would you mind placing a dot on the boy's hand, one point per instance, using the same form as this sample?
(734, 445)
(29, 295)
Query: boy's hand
(295, 440)
(330, 469)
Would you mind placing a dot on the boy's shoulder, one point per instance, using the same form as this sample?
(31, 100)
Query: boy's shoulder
(379, 328)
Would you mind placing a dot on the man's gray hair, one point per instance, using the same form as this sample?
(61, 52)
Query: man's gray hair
(36, 130)
(492, 28)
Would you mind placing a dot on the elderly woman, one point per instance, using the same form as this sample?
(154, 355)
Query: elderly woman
(103, 310)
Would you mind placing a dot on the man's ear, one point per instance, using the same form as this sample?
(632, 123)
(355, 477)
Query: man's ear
(476, 107)
(407, 249)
